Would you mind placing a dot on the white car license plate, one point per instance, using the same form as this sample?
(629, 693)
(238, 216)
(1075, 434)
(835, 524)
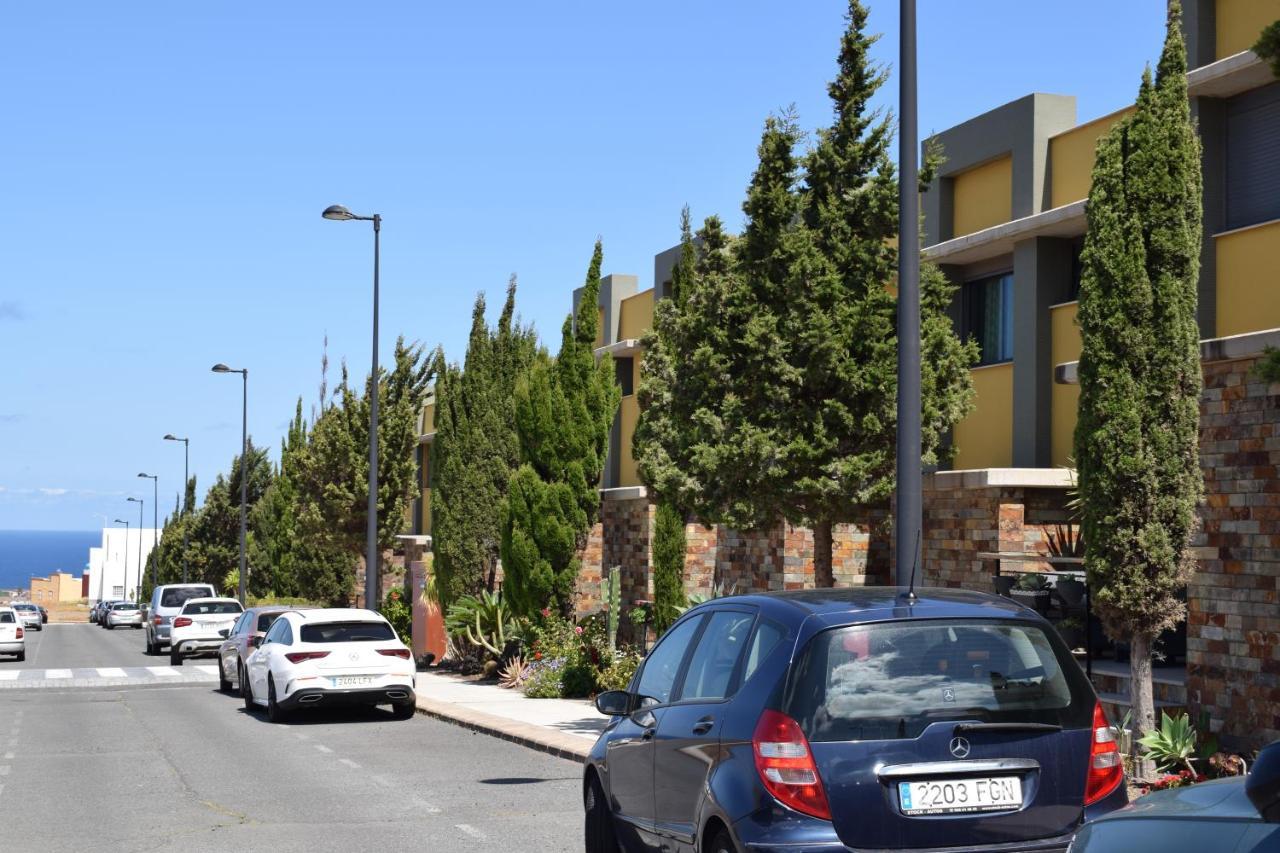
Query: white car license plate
(352, 680)
(955, 796)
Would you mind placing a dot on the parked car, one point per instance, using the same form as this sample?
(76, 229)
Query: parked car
(198, 628)
(100, 610)
(837, 719)
(12, 639)
(29, 614)
(123, 614)
(166, 601)
(327, 657)
(44, 616)
(1237, 815)
(235, 649)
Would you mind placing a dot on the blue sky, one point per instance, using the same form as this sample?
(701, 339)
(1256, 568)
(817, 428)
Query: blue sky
(164, 166)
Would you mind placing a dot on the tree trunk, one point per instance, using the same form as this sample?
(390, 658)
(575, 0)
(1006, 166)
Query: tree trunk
(823, 576)
(1140, 698)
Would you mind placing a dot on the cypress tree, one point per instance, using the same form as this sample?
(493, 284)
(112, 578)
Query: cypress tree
(668, 565)
(564, 410)
(1137, 431)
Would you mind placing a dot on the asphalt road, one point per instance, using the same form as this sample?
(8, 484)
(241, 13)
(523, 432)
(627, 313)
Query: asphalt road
(182, 767)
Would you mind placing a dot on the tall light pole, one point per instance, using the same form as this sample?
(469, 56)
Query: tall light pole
(244, 467)
(142, 505)
(908, 512)
(124, 579)
(371, 574)
(155, 529)
(182, 505)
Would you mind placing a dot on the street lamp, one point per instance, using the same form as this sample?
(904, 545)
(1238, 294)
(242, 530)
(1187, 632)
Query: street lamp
(155, 529)
(142, 505)
(244, 466)
(908, 512)
(186, 478)
(339, 213)
(124, 579)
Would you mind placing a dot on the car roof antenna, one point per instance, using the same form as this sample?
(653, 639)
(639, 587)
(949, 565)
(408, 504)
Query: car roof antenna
(915, 564)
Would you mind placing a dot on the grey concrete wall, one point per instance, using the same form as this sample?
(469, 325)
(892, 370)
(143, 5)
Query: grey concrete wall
(613, 289)
(1041, 278)
(1211, 116)
(1199, 28)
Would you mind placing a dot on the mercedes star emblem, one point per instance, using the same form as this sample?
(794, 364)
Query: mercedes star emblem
(959, 747)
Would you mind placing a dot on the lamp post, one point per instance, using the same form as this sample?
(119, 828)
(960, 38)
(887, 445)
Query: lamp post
(186, 478)
(124, 579)
(142, 505)
(371, 574)
(244, 467)
(908, 512)
(155, 529)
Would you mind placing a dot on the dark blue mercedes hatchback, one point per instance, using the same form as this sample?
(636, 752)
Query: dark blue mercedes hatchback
(852, 720)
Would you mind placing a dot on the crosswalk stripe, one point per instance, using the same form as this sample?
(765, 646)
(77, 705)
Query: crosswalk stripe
(207, 669)
(57, 673)
(163, 670)
(111, 672)
(9, 674)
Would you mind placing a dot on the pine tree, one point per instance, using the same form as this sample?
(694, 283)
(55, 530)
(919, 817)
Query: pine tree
(563, 413)
(1137, 431)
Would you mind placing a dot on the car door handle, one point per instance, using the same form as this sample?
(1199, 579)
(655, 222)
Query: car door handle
(703, 726)
(648, 734)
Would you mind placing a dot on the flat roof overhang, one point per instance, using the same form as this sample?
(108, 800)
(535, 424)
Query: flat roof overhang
(998, 240)
(1230, 76)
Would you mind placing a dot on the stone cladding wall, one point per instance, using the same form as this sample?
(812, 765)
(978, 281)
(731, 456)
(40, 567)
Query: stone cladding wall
(1233, 618)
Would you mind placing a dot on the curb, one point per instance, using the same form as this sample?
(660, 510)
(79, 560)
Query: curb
(570, 747)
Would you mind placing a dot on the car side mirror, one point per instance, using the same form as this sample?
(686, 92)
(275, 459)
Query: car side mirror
(224, 633)
(1262, 786)
(614, 703)
(255, 642)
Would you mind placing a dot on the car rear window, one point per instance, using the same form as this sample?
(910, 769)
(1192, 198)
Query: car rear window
(125, 607)
(178, 596)
(211, 607)
(24, 607)
(265, 620)
(892, 680)
(7, 618)
(347, 632)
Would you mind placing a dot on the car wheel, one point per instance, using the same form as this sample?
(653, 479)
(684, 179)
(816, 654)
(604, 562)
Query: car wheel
(22, 655)
(110, 627)
(722, 843)
(224, 686)
(598, 824)
(246, 690)
(175, 657)
(404, 711)
(275, 713)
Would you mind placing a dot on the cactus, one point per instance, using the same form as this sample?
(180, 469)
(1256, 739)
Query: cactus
(611, 593)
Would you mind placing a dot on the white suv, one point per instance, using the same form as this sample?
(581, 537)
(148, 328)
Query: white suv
(198, 627)
(337, 656)
(12, 641)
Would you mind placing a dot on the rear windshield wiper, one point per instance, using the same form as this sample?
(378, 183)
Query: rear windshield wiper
(1007, 727)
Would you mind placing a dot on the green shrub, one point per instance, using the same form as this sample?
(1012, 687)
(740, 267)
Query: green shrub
(618, 675)
(578, 679)
(396, 609)
(1268, 47)
(544, 679)
(1031, 582)
(1267, 368)
(668, 566)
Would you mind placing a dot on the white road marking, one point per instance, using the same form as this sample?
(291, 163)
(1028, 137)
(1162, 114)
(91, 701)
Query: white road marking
(349, 763)
(468, 829)
(322, 747)
(57, 673)
(208, 669)
(112, 672)
(163, 670)
(9, 674)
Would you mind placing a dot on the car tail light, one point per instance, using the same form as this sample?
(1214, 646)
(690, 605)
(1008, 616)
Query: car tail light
(403, 654)
(299, 657)
(157, 621)
(18, 636)
(1106, 765)
(786, 765)
(181, 622)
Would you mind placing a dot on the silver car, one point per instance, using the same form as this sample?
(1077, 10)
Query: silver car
(29, 614)
(123, 615)
(166, 602)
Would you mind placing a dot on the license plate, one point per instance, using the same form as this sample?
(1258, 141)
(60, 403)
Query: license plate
(351, 680)
(956, 796)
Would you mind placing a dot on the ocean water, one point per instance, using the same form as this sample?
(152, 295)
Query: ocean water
(24, 553)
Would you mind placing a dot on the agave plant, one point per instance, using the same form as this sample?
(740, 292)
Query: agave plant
(482, 621)
(1172, 745)
(514, 674)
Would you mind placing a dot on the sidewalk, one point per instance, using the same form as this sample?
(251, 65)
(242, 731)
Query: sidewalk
(563, 727)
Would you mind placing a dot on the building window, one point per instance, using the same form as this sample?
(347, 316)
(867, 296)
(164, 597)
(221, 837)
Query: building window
(1253, 157)
(988, 309)
(624, 372)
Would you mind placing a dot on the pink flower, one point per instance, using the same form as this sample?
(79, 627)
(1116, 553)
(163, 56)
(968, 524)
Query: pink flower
(577, 630)
(546, 611)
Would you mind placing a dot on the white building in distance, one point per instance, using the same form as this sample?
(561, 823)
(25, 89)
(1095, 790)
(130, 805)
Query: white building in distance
(114, 567)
